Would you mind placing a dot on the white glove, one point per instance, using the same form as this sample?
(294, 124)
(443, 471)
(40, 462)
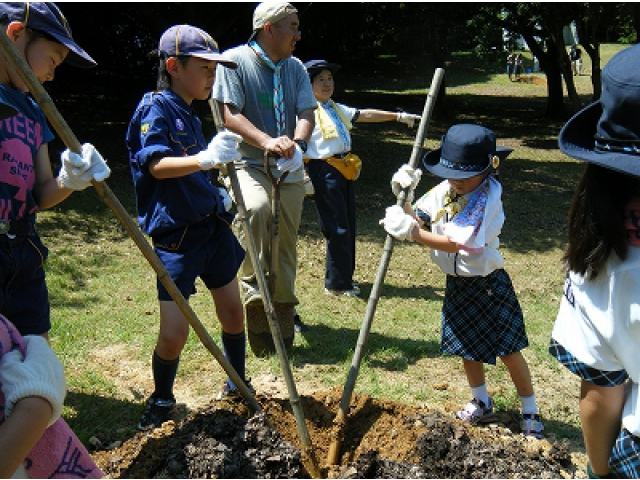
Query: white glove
(39, 374)
(222, 149)
(226, 198)
(408, 118)
(398, 224)
(406, 177)
(291, 164)
(78, 170)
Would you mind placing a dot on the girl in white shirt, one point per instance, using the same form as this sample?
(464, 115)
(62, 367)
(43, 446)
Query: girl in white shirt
(463, 215)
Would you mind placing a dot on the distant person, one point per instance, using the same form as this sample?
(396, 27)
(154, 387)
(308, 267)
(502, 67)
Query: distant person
(519, 67)
(333, 169)
(269, 101)
(35, 442)
(511, 65)
(183, 209)
(41, 35)
(461, 219)
(597, 331)
(575, 56)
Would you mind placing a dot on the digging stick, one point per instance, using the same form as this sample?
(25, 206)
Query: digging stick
(340, 420)
(108, 197)
(294, 399)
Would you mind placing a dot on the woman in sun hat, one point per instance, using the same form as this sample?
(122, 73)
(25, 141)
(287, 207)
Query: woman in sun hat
(597, 331)
(333, 169)
(461, 219)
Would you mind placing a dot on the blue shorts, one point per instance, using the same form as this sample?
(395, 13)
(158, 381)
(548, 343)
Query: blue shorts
(207, 249)
(24, 297)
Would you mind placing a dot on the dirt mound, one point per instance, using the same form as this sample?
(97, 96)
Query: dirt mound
(382, 439)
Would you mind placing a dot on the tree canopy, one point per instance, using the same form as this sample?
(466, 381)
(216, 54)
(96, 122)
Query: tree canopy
(121, 35)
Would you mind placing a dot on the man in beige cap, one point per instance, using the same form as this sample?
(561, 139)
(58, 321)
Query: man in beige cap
(268, 100)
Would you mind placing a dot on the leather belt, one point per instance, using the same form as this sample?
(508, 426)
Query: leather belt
(21, 228)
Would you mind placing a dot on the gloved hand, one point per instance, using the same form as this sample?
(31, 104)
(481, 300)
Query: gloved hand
(78, 170)
(222, 149)
(291, 164)
(226, 198)
(408, 118)
(398, 224)
(406, 177)
(39, 374)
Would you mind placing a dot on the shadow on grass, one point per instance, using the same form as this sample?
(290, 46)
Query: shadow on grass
(106, 418)
(321, 348)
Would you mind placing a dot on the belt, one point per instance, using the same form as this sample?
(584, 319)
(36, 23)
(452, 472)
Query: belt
(21, 228)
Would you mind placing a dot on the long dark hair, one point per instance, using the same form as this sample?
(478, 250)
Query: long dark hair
(596, 219)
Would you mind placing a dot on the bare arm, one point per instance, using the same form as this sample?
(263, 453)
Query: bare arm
(600, 414)
(305, 125)
(173, 167)
(21, 431)
(48, 190)
(282, 146)
(371, 115)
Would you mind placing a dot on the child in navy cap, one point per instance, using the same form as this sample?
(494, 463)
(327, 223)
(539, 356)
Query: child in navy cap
(41, 34)
(182, 207)
(463, 215)
(33, 436)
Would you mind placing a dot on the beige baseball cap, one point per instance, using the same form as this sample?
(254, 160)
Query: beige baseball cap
(270, 12)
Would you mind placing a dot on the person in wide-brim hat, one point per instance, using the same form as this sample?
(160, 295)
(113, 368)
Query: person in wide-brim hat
(595, 334)
(607, 132)
(467, 150)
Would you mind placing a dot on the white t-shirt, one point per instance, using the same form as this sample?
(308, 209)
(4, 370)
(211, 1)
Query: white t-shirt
(321, 148)
(485, 257)
(599, 323)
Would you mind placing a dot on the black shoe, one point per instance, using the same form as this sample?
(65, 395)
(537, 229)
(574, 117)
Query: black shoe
(157, 413)
(233, 393)
(298, 326)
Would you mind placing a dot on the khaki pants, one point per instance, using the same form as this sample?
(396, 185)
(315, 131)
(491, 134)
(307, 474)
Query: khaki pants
(256, 192)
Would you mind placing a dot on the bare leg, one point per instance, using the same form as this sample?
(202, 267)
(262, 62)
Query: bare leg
(519, 371)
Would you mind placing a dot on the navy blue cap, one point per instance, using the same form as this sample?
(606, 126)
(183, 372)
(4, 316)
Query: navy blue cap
(467, 150)
(47, 17)
(315, 66)
(192, 41)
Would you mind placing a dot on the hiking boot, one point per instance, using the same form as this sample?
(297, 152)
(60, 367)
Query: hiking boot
(531, 425)
(233, 393)
(156, 413)
(476, 412)
(252, 295)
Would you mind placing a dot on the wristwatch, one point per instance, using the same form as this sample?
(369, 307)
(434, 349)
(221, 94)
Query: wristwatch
(302, 144)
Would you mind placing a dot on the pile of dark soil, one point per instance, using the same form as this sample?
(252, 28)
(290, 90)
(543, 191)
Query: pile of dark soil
(381, 439)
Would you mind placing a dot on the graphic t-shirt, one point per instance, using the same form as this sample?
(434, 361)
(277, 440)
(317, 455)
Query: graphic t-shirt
(20, 138)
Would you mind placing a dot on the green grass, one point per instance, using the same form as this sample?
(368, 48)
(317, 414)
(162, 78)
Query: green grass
(105, 314)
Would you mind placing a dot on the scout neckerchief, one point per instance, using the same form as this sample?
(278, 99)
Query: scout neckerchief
(278, 91)
(632, 221)
(333, 122)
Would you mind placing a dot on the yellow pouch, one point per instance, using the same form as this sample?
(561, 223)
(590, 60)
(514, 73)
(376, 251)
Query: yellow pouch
(349, 166)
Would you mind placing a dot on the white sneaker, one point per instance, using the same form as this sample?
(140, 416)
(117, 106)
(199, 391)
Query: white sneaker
(353, 292)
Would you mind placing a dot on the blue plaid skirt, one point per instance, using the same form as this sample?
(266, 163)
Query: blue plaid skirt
(482, 318)
(624, 460)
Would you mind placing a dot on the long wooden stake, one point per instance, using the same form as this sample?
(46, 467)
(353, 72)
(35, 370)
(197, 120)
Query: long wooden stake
(294, 399)
(340, 420)
(108, 197)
